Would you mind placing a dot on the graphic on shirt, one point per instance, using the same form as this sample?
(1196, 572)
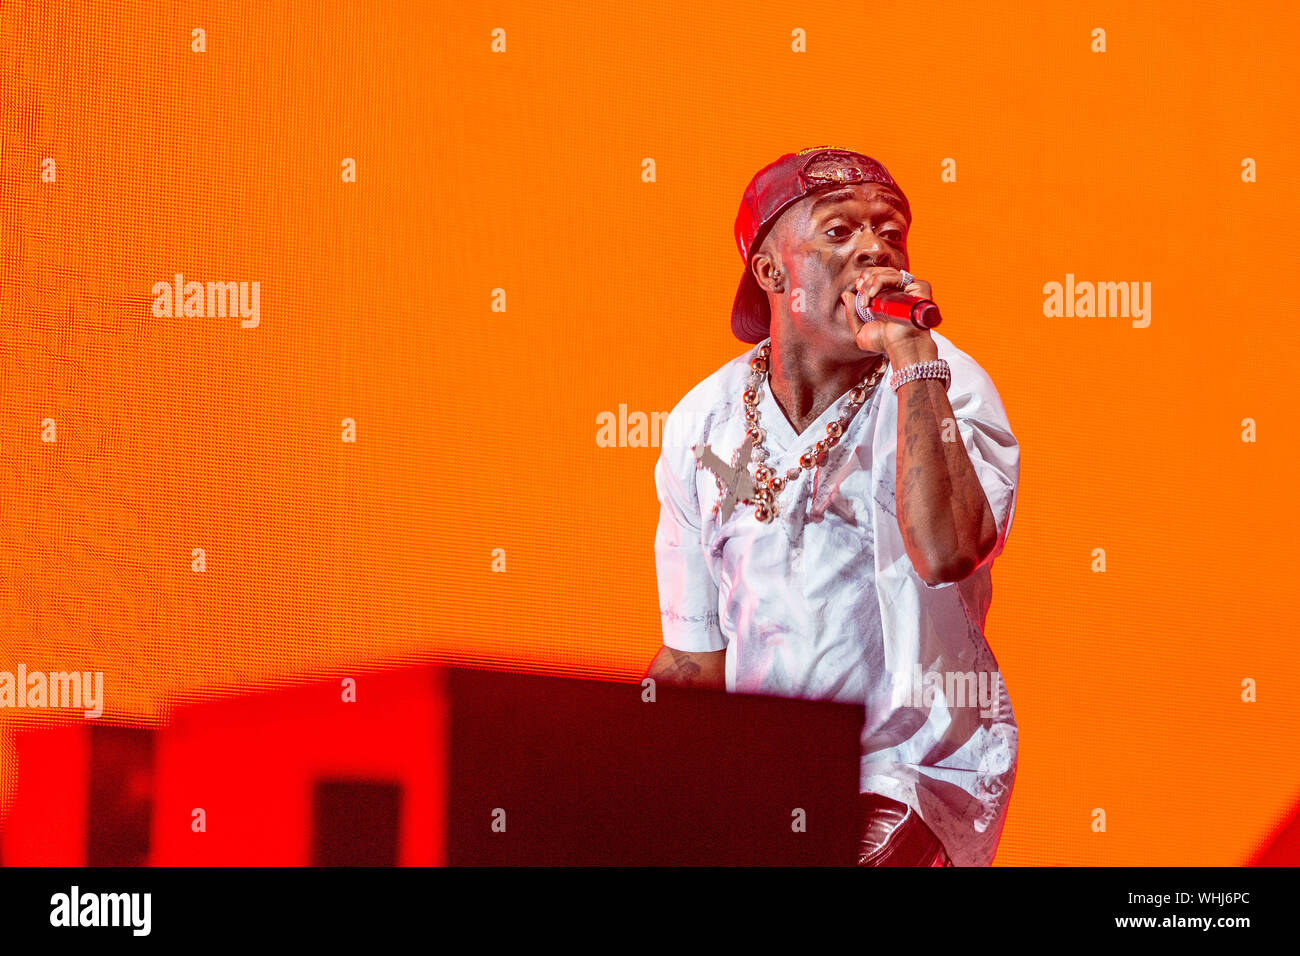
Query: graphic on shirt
(828, 484)
(736, 484)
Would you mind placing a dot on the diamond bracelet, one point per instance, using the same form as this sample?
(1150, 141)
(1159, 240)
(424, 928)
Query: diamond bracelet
(935, 368)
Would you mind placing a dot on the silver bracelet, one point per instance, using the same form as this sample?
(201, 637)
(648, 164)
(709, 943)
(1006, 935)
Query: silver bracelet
(935, 368)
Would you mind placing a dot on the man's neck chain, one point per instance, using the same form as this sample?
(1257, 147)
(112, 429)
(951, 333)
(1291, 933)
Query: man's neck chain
(766, 483)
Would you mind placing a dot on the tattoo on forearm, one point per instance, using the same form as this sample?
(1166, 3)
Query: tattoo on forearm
(940, 501)
(682, 669)
(917, 412)
(920, 464)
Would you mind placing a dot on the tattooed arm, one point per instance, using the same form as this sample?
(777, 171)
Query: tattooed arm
(948, 527)
(689, 668)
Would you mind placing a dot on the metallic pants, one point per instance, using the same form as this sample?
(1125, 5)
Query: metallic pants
(894, 835)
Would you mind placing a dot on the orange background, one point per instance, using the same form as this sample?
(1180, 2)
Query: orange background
(476, 429)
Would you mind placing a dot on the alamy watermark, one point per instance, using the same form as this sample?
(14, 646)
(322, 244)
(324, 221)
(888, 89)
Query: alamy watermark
(982, 689)
(77, 690)
(1071, 299)
(130, 910)
(179, 298)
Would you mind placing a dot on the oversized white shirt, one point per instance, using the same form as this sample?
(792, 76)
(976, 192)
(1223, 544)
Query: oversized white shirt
(824, 603)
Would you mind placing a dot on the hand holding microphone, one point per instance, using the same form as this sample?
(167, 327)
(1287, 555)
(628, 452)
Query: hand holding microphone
(920, 310)
(889, 307)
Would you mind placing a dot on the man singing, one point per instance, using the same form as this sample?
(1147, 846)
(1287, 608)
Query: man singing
(832, 501)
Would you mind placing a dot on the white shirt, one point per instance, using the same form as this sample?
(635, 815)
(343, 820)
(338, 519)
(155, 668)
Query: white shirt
(824, 603)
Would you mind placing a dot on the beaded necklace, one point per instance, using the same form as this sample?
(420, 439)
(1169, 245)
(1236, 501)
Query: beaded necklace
(761, 492)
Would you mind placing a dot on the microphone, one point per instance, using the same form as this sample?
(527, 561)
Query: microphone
(922, 313)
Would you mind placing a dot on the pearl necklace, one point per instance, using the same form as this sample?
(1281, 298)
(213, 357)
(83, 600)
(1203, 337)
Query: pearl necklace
(768, 484)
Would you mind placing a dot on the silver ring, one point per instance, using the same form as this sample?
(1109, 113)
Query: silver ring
(864, 313)
(908, 278)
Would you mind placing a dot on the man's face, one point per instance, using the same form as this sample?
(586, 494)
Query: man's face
(822, 244)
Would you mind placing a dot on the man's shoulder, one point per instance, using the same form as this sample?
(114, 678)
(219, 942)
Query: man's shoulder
(968, 376)
(718, 386)
(955, 357)
(708, 402)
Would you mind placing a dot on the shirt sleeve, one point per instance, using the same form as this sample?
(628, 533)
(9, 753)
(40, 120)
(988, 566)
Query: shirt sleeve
(688, 595)
(990, 445)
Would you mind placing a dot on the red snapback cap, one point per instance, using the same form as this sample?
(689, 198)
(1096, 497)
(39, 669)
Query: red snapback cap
(773, 189)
